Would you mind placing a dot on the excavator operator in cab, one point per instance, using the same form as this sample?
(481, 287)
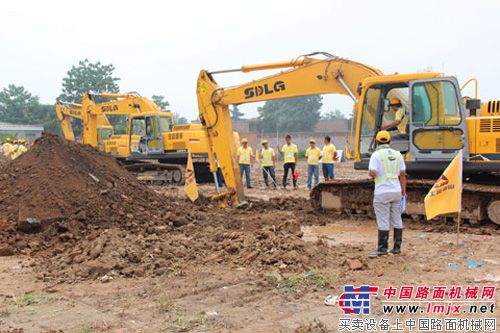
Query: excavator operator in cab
(400, 119)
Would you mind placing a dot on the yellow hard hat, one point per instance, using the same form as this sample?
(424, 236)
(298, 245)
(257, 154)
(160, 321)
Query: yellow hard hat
(312, 141)
(394, 101)
(383, 137)
(244, 140)
(264, 142)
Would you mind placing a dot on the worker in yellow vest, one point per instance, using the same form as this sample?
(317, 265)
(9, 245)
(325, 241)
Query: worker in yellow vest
(20, 149)
(267, 158)
(387, 168)
(329, 157)
(290, 153)
(245, 158)
(7, 148)
(313, 155)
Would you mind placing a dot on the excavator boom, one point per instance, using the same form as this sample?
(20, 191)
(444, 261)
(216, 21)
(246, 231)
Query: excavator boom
(304, 76)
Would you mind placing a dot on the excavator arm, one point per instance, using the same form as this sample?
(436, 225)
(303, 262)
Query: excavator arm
(306, 75)
(66, 111)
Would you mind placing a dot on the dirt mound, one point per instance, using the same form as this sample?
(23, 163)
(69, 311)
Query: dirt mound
(80, 215)
(65, 188)
(62, 180)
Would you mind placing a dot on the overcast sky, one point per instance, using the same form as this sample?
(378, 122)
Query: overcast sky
(158, 47)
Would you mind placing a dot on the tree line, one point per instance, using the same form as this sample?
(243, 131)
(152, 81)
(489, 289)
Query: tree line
(18, 105)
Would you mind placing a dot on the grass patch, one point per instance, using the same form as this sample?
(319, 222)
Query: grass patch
(32, 299)
(316, 326)
(309, 280)
(87, 328)
(164, 304)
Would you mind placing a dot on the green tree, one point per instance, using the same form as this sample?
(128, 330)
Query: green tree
(298, 114)
(236, 114)
(179, 120)
(17, 105)
(87, 76)
(161, 102)
(333, 115)
(91, 77)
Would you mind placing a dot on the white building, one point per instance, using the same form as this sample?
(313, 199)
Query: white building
(20, 131)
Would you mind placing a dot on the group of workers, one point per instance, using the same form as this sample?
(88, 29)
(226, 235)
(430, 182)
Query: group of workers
(386, 167)
(12, 149)
(289, 152)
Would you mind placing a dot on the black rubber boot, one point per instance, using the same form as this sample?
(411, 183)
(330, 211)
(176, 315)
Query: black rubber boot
(383, 240)
(398, 239)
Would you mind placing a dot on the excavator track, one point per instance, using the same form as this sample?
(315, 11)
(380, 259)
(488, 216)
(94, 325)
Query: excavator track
(480, 203)
(156, 173)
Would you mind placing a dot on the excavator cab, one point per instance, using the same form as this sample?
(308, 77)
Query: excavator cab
(148, 129)
(435, 128)
(104, 133)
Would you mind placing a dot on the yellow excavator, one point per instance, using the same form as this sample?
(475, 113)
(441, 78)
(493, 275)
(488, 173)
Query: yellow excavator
(153, 148)
(439, 124)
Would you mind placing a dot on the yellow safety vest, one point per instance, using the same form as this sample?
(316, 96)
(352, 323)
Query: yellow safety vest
(390, 162)
(267, 156)
(7, 149)
(245, 155)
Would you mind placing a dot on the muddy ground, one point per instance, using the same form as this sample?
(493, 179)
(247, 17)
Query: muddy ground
(191, 268)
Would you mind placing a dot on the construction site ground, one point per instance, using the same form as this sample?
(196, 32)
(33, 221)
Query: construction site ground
(110, 255)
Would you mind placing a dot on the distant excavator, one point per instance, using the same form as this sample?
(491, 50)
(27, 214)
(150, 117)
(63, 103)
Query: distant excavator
(439, 124)
(153, 147)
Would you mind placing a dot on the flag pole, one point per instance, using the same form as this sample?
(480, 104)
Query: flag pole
(460, 174)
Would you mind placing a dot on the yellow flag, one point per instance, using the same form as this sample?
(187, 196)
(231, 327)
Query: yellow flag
(446, 195)
(190, 180)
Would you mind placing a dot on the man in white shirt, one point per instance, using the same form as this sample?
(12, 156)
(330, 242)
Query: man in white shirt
(387, 168)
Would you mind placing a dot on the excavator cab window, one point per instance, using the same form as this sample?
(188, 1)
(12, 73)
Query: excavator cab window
(165, 124)
(437, 126)
(377, 114)
(103, 133)
(371, 109)
(147, 128)
(138, 126)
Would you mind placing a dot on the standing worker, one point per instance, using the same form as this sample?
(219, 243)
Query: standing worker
(329, 156)
(387, 167)
(267, 157)
(290, 153)
(7, 148)
(245, 156)
(313, 155)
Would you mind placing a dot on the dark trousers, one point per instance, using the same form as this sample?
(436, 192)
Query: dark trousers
(245, 168)
(266, 172)
(287, 167)
(220, 177)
